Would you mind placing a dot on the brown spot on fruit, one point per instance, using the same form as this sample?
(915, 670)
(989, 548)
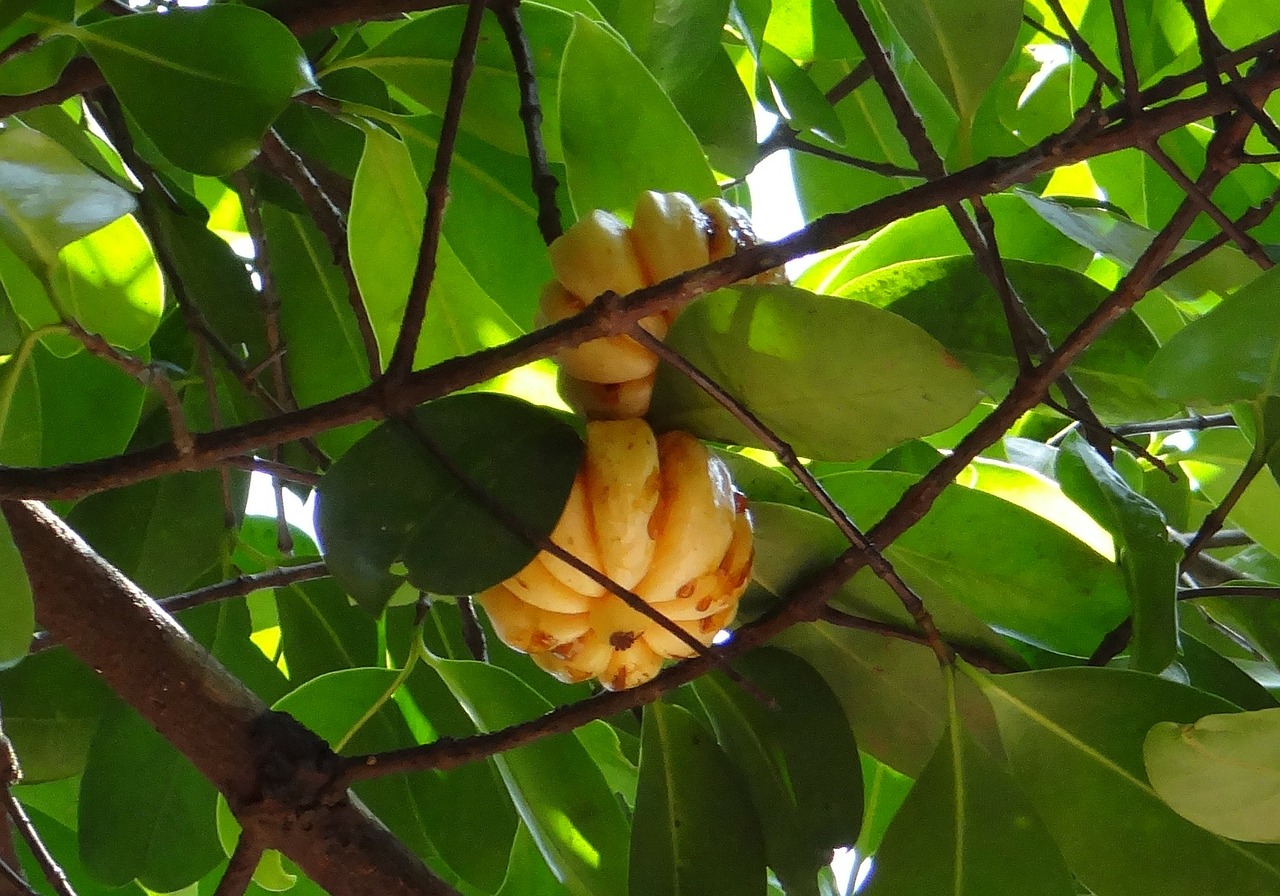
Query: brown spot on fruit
(622, 640)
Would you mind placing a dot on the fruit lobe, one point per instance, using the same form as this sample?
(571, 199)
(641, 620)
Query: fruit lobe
(658, 516)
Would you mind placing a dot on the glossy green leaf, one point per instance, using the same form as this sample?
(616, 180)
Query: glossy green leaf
(1087, 726)
(952, 300)
(326, 356)
(418, 59)
(163, 533)
(695, 830)
(1221, 772)
(17, 611)
(890, 689)
(203, 84)
(109, 282)
(621, 134)
(1146, 554)
(962, 46)
(134, 773)
(387, 211)
(388, 502)
(559, 792)
(89, 408)
(784, 351)
(49, 198)
(967, 830)
(799, 762)
(1231, 354)
(798, 98)
(886, 792)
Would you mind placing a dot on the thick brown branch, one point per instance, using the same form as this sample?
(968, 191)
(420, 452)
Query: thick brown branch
(264, 763)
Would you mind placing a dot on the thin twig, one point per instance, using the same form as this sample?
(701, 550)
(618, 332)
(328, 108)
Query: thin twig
(472, 633)
(846, 620)
(784, 136)
(1256, 463)
(1194, 423)
(849, 83)
(786, 455)
(1124, 44)
(424, 272)
(237, 587)
(151, 375)
(332, 224)
(1270, 591)
(1081, 46)
(49, 866)
(544, 182)
(274, 469)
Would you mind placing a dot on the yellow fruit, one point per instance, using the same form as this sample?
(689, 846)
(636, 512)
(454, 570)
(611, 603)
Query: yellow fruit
(611, 378)
(659, 516)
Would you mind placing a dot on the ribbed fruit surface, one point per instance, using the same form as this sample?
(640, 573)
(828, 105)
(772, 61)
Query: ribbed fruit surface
(660, 517)
(611, 378)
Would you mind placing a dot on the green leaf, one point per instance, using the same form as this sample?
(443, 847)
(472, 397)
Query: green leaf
(1231, 354)
(621, 134)
(886, 792)
(75, 391)
(799, 761)
(952, 300)
(322, 631)
(890, 689)
(963, 46)
(527, 872)
(52, 704)
(49, 198)
(134, 773)
(695, 830)
(966, 829)
(326, 356)
(387, 211)
(60, 840)
(880, 379)
(388, 501)
(800, 101)
(203, 84)
(418, 58)
(1145, 553)
(1215, 463)
(559, 792)
(17, 611)
(1221, 772)
(163, 533)
(109, 282)
(1087, 726)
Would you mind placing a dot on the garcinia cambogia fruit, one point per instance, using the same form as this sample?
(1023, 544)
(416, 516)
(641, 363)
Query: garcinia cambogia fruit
(660, 517)
(611, 378)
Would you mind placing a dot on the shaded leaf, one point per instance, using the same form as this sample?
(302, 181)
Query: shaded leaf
(389, 502)
(17, 611)
(559, 792)
(621, 134)
(52, 704)
(134, 773)
(695, 830)
(1221, 772)
(784, 351)
(89, 408)
(967, 830)
(203, 84)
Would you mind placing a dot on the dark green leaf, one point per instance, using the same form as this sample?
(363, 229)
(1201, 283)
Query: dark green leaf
(527, 872)
(967, 830)
(1231, 354)
(886, 791)
(954, 302)
(388, 501)
(134, 773)
(1210, 671)
(621, 134)
(163, 533)
(560, 793)
(203, 84)
(60, 840)
(1087, 726)
(322, 631)
(695, 830)
(52, 705)
(799, 761)
(784, 351)
(89, 408)
(1145, 553)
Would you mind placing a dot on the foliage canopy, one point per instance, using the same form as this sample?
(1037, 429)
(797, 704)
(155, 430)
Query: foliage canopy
(1010, 443)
